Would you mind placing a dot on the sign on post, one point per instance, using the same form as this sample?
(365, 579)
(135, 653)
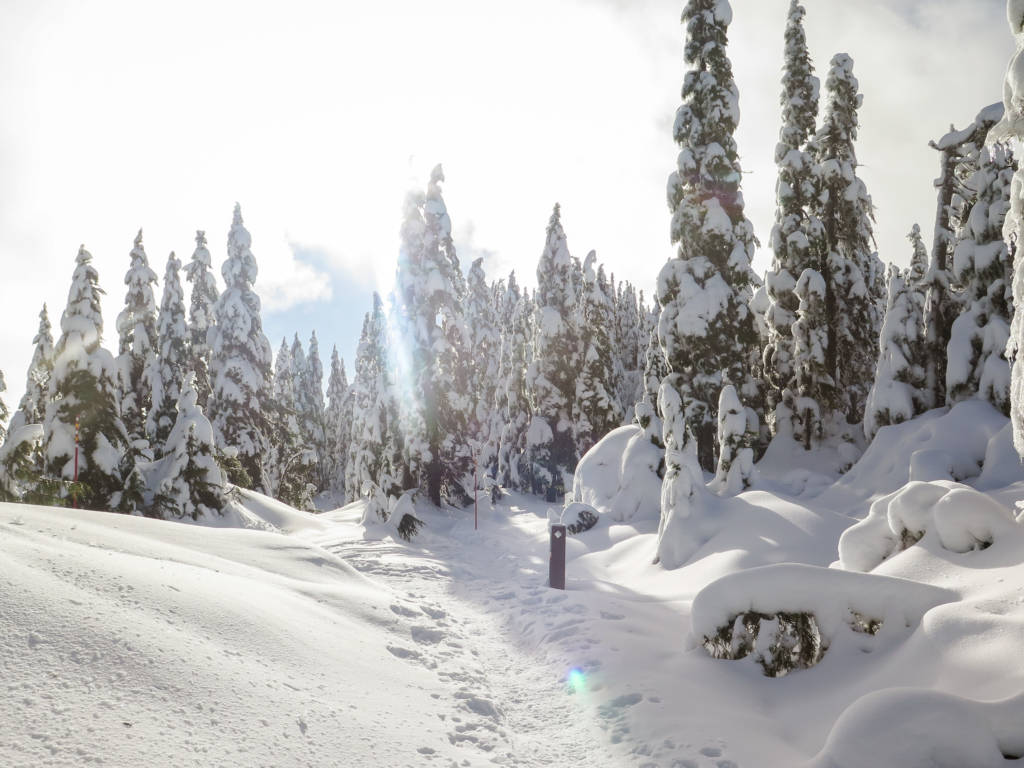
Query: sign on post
(556, 570)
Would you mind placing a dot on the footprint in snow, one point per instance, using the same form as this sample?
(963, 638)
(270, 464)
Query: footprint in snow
(401, 610)
(427, 635)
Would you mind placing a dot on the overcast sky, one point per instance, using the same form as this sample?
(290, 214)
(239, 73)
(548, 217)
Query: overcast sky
(319, 116)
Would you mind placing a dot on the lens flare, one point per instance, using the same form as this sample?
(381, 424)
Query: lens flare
(576, 680)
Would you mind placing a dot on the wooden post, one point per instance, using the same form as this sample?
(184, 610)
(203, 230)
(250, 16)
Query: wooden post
(556, 569)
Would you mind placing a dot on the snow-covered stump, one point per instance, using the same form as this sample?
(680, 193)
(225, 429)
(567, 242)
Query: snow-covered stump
(786, 617)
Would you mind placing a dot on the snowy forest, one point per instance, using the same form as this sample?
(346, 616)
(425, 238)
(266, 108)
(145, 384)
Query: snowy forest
(813, 473)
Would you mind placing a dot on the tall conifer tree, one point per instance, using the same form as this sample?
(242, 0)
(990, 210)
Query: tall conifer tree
(137, 347)
(201, 315)
(240, 359)
(83, 389)
(794, 191)
(706, 328)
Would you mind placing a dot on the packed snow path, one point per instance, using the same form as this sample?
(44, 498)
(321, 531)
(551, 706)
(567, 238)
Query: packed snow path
(507, 706)
(520, 662)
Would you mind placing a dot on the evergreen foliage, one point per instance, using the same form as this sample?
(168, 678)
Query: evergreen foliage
(83, 389)
(513, 466)
(552, 373)
(794, 229)
(240, 360)
(853, 274)
(371, 446)
(596, 405)
(429, 289)
(32, 407)
(167, 371)
(982, 269)
(338, 420)
(706, 328)
(201, 315)
(899, 390)
(193, 483)
(137, 345)
(959, 153)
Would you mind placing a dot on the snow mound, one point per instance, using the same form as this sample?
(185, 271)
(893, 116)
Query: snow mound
(813, 604)
(919, 727)
(938, 445)
(963, 519)
(619, 476)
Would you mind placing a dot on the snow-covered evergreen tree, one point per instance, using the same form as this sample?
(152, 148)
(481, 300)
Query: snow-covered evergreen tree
(83, 389)
(1012, 127)
(513, 464)
(800, 415)
(369, 451)
(167, 370)
(959, 152)
(429, 288)
(338, 420)
(552, 374)
(32, 407)
(794, 228)
(982, 269)
(706, 328)
(596, 407)
(853, 274)
(655, 369)
(288, 470)
(482, 360)
(898, 393)
(735, 444)
(313, 410)
(682, 487)
(193, 484)
(629, 347)
(199, 273)
(240, 360)
(137, 346)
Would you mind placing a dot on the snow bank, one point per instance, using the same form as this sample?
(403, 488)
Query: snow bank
(919, 727)
(963, 519)
(619, 476)
(131, 641)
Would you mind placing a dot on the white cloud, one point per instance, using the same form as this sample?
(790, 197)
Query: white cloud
(319, 118)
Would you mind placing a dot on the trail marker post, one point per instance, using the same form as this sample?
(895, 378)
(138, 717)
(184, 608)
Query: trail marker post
(556, 569)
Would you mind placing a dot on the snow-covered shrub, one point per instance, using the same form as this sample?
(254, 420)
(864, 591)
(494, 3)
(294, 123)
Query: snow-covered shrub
(799, 611)
(963, 519)
(779, 643)
(578, 517)
(619, 476)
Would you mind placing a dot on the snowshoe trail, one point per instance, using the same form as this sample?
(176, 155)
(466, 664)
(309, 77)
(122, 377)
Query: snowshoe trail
(505, 706)
(518, 664)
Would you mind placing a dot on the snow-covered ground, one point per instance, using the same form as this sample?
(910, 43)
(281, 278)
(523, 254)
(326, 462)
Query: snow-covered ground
(316, 641)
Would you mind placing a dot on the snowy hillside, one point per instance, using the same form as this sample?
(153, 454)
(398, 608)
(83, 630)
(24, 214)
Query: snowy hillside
(128, 640)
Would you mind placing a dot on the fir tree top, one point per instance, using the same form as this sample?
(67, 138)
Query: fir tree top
(136, 324)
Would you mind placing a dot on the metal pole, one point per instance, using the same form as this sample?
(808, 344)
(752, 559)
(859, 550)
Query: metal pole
(74, 492)
(476, 485)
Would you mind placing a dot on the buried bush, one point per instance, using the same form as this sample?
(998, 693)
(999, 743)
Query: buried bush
(779, 643)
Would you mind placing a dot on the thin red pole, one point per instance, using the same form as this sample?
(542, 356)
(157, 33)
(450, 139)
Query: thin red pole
(476, 485)
(74, 493)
